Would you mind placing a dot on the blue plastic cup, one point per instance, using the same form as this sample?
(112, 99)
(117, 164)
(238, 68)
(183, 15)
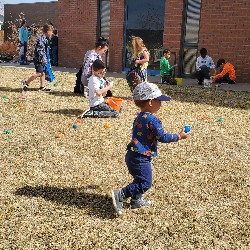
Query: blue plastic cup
(187, 128)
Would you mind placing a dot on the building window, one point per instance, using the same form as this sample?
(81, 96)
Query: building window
(145, 18)
(190, 37)
(104, 18)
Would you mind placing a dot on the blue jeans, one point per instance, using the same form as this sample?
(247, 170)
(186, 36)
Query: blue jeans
(54, 53)
(202, 74)
(23, 56)
(225, 79)
(139, 166)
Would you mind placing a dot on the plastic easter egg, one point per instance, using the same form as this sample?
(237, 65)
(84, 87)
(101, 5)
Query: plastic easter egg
(75, 126)
(106, 125)
(59, 136)
(187, 128)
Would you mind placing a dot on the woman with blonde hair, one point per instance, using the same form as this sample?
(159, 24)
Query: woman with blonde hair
(141, 55)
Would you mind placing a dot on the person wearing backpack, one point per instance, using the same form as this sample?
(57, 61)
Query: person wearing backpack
(141, 55)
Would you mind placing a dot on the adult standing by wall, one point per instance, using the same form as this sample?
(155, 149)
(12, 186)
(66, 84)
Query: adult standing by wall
(54, 48)
(23, 39)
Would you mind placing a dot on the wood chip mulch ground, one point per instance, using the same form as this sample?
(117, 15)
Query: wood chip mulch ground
(55, 192)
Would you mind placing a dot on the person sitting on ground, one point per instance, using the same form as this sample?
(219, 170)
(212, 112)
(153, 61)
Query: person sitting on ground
(167, 69)
(204, 64)
(98, 88)
(227, 72)
(40, 58)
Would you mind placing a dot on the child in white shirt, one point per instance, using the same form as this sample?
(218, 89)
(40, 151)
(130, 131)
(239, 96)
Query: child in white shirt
(204, 64)
(98, 88)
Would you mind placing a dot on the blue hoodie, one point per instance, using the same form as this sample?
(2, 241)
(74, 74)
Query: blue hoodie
(24, 34)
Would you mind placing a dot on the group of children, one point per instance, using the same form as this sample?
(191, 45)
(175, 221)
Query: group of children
(205, 69)
(147, 128)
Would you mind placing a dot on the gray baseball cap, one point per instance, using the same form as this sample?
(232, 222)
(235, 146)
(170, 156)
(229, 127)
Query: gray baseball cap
(148, 91)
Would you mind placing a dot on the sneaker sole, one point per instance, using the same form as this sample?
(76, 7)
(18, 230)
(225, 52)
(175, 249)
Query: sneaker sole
(114, 204)
(45, 91)
(85, 112)
(149, 205)
(23, 87)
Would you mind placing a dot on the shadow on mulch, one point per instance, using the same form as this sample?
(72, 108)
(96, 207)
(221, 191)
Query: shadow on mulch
(97, 205)
(65, 93)
(213, 97)
(17, 90)
(67, 112)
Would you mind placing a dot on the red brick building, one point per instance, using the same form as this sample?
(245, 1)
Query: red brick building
(184, 26)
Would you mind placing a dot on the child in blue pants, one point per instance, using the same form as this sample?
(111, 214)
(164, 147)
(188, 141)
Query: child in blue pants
(147, 132)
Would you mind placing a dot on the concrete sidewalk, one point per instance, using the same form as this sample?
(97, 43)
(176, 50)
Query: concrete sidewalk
(156, 79)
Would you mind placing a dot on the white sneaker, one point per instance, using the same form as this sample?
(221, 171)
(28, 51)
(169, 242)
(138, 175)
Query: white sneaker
(24, 86)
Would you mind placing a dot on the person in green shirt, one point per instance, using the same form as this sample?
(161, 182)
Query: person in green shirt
(166, 69)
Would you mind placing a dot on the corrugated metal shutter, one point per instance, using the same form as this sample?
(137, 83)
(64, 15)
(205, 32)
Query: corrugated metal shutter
(191, 36)
(105, 18)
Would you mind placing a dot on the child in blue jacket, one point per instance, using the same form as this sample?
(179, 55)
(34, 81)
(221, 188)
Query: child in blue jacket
(40, 59)
(147, 132)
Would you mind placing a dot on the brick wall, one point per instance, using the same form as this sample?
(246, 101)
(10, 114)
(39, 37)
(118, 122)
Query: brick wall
(116, 48)
(173, 27)
(77, 22)
(225, 32)
(38, 13)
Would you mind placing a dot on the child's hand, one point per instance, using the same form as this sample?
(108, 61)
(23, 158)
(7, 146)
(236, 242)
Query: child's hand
(175, 65)
(183, 135)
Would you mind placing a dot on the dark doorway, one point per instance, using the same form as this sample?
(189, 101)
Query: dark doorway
(145, 18)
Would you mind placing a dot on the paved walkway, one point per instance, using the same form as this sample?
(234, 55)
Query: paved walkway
(156, 79)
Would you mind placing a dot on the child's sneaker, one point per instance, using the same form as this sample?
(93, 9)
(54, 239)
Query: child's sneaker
(44, 89)
(24, 86)
(117, 198)
(87, 113)
(121, 109)
(140, 203)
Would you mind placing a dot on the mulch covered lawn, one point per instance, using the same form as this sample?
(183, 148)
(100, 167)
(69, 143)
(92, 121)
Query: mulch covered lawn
(55, 192)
